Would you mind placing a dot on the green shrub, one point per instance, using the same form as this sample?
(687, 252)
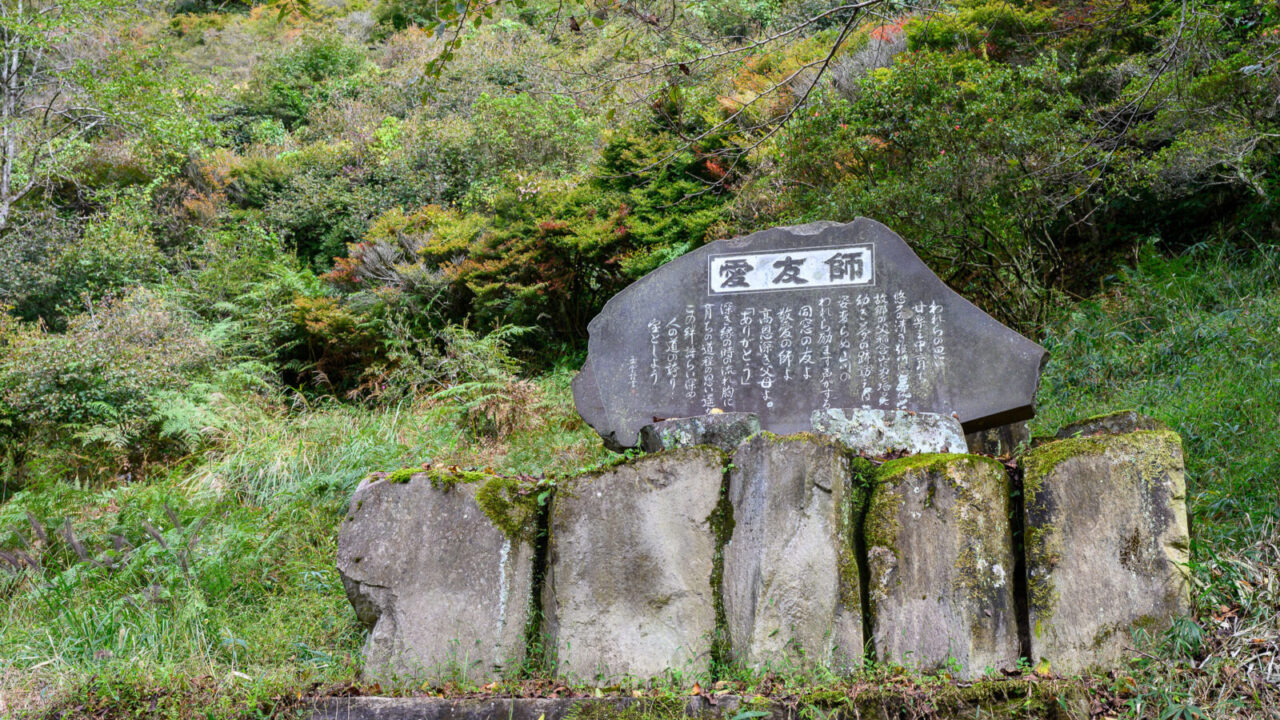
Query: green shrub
(321, 210)
(971, 161)
(111, 380)
(314, 71)
(521, 132)
(58, 269)
(983, 27)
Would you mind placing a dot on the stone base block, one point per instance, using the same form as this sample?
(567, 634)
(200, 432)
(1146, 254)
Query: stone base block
(941, 563)
(791, 591)
(628, 585)
(445, 593)
(722, 430)
(1107, 543)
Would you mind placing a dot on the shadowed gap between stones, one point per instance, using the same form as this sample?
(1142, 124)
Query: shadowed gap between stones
(1017, 532)
(537, 651)
(864, 481)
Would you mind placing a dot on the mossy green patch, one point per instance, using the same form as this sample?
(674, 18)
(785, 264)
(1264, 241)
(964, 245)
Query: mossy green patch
(1038, 464)
(926, 462)
(722, 524)
(403, 475)
(881, 527)
(985, 698)
(848, 517)
(810, 437)
(1148, 453)
(512, 504)
(443, 479)
(1151, 450)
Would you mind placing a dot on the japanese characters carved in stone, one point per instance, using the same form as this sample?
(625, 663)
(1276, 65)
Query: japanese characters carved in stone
(796, 319)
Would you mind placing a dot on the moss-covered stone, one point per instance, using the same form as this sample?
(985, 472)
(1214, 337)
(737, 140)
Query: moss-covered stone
(403, 475)
(1106, 544)
(429, 573)
(940, 563)
(631, 554)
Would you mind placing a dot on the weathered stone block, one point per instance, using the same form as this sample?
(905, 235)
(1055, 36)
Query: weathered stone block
(1107, 542)
(445, 593)
(1125, 421)
(878, 432)
(791, 591)
(628, 586)
(940, 560)
(722, 430)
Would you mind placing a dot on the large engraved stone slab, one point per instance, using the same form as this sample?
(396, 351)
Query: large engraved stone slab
(791, 320)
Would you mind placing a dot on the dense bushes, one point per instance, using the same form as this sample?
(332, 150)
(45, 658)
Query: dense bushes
(315, 71)
(961, 156)
(114, 379)
(1024, 150)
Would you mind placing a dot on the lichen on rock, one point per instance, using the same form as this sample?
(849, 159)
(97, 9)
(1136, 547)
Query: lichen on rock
(940, 564)
(1106, 544)
(792, 589)
(445, 592)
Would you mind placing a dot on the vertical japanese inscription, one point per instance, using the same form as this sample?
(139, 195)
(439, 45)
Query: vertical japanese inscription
(860, 349)
(744, 346)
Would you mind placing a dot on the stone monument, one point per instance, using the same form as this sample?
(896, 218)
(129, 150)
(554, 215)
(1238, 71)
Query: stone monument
(791, 321)
(803, 395)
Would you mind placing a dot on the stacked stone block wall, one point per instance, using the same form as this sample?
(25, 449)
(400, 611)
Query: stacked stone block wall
(774, 553)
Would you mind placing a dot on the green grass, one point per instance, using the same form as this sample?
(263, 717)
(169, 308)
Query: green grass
(1194, 341)
(230, 593)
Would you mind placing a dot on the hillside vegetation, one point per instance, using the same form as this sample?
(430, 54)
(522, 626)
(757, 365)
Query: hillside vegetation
(250, 253)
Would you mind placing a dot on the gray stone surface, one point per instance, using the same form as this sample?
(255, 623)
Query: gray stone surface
(941, 564)
(791, 591)
(1125, 421)
(722, 430)
(628, 585)
(879, 432)
(1107, 543)
(1000, 441)
(444, 593)
(791, 320)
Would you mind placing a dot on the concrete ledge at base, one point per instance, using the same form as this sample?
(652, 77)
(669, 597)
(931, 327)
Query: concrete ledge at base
(391, 708)
(994, 700)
